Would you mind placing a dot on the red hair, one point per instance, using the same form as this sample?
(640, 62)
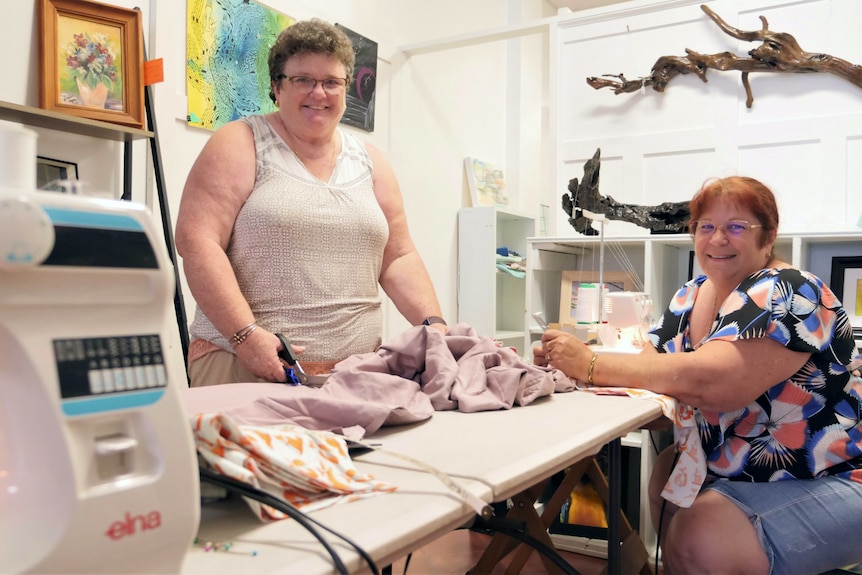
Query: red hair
(743, 192)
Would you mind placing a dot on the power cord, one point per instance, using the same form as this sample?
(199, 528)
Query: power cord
(285, 507)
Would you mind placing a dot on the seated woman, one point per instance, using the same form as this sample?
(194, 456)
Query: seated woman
(764, 353)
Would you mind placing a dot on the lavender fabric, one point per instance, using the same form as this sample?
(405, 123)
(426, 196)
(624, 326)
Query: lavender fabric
(404, 381)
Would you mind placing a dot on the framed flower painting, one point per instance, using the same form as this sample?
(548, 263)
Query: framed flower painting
(91, 61)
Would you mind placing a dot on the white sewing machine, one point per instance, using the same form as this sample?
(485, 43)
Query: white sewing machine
(97, 466)
(629, 317)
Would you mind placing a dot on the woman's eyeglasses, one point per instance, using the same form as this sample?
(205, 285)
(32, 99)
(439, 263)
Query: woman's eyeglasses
(307, 84)
(733, 228)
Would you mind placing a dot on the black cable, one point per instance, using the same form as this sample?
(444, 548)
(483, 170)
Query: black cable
(285, 507)
(516, 530)
(653, 441)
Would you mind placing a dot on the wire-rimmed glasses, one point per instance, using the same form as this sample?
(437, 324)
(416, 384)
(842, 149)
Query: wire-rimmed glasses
(733, 228)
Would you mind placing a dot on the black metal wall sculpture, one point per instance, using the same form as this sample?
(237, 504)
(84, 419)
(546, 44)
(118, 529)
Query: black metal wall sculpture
(668, 217)
(779, 52)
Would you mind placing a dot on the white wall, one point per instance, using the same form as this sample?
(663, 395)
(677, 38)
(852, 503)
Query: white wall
(486, 98)
(802, 136)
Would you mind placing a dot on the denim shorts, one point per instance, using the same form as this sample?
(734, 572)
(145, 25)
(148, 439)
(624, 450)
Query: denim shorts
(805, 526)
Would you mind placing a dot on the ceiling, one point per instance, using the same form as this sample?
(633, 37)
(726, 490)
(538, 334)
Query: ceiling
(575, 5)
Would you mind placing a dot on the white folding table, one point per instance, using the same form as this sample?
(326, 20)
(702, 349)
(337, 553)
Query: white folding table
(493, 455)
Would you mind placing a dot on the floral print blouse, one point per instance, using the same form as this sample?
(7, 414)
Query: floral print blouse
(806, 426)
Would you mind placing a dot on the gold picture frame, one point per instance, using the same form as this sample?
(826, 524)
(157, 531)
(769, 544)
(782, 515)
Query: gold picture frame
(91, 61)
(571, 279)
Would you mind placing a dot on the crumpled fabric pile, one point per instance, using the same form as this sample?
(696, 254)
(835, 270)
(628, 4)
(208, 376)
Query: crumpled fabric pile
(405, 381)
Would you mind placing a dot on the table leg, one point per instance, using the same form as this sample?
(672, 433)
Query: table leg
(537, 527)
(633, 556)
(614, 505)
(626, 557)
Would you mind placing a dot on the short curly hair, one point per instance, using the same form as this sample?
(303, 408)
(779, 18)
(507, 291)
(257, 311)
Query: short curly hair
(314, 36)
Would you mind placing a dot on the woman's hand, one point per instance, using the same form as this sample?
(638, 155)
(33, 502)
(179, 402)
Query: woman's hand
(564, 351)
(259, 355)
(540, 355)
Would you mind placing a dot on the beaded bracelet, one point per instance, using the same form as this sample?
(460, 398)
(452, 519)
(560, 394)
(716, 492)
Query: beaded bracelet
(242, 334)
(590, 370)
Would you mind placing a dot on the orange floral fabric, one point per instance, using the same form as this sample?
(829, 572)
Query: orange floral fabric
(310, 469)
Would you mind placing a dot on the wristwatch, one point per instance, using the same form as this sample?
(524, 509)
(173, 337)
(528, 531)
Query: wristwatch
(433, 319)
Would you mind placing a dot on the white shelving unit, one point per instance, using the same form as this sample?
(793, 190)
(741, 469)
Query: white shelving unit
(490, 300)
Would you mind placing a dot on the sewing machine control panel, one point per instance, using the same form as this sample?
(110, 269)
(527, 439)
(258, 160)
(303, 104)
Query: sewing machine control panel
(109, 365)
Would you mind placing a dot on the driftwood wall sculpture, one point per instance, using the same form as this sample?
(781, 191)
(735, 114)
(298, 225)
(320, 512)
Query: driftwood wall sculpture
(668, 217)
(778, 52)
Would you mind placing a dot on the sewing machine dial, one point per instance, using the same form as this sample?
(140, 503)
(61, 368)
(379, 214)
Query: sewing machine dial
(26, 233)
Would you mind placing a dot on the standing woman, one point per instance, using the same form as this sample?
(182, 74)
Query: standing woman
(287, 224)
(764, 353)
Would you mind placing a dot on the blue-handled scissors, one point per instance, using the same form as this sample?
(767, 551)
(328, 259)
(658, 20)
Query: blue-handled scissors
(295, 374)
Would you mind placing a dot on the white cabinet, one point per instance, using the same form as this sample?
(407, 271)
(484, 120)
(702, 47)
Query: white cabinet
(490, 300)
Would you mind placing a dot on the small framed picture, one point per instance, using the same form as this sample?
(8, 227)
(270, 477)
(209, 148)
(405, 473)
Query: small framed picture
(846, 284)
(91, 61)
(486, 183)
(54, 175)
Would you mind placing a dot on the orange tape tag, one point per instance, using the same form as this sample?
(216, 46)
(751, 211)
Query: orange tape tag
(154, 71)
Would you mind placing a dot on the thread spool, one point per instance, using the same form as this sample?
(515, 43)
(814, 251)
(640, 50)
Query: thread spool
(17, 157)
(587, 310)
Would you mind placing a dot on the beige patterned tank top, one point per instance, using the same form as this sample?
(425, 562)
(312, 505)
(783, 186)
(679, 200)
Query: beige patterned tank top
(307, 253)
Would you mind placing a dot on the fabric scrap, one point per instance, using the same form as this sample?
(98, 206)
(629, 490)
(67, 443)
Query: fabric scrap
(309, 469)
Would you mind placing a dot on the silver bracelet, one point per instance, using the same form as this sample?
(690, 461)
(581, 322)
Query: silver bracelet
(242, 334)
